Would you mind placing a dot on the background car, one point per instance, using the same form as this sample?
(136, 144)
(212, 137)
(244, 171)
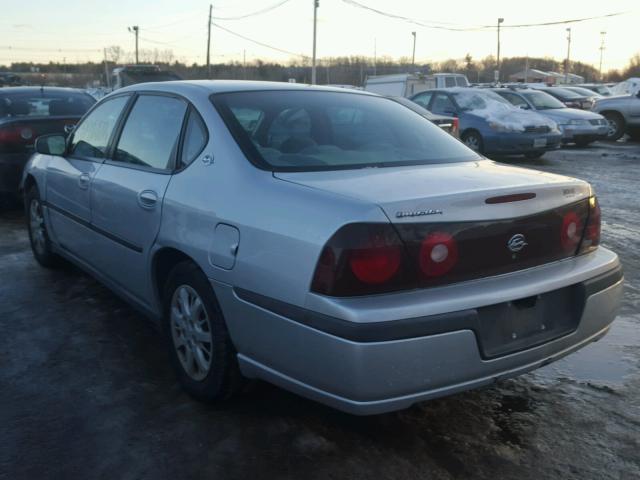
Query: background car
(623, 115)
(489, 124)
(577, 126)
(570, 98)
(25, 114)
(599, 88)
(449, 124)
(583, 91)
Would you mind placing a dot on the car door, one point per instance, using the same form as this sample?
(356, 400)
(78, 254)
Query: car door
(69, 177)
(129, 188)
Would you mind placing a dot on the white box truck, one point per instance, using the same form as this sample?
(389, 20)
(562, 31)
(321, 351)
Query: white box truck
(408, 84)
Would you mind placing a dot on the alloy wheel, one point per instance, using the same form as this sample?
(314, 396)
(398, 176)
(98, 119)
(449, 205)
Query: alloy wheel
(191, 332)
(36, 227)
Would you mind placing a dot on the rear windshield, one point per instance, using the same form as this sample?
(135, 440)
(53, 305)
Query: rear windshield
(317, 130)
(44, 104)
(543, 101)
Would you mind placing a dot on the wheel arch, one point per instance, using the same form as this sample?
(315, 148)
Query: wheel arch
(163, 262)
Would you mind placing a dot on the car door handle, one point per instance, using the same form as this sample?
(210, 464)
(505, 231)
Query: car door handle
(147, 199)
(84, 180)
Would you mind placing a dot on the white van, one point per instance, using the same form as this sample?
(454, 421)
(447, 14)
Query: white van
(407, 84)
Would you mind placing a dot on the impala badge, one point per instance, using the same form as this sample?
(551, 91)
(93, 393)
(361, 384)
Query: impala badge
(419, 213)
(517, 243)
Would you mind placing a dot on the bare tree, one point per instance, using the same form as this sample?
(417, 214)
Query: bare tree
(115, 53)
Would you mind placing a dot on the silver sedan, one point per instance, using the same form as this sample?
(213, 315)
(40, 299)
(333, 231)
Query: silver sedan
(332, 242)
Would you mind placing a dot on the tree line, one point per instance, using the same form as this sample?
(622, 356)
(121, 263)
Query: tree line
(347, 70)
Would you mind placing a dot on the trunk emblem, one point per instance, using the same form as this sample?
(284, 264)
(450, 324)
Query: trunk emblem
(418, 213)
(517, 243)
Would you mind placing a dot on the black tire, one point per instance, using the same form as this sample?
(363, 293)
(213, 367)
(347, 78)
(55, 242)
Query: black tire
(583, 144)
(473, 140)
(223, 377)
(634, 133)
(39, 239)
(616, 126)
(534, 155)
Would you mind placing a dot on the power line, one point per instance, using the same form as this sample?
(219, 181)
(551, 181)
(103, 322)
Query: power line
(281, 50)
(257, 12)
(434, 25)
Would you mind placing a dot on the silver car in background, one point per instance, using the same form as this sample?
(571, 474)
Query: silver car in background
(622, 113)
(577, 126)
(332, 242)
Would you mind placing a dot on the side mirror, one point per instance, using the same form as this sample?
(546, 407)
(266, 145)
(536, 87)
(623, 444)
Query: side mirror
(53, 144)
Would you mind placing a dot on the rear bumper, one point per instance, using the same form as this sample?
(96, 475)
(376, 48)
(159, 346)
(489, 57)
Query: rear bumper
(11, 167)
(371, 360)
(520, 143)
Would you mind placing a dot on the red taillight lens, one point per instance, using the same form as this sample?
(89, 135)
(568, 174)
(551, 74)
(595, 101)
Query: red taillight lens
(375, 263)
(438, 254)
(591, 238)
(360, 259)
(571, 231)
(10, 135)
(455, 130)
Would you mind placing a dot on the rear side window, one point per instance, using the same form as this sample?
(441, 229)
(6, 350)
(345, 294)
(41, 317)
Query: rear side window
(91, 137)
(195, 139)
(443, 105)
(450, 81)
(151, 132)
(423, 99)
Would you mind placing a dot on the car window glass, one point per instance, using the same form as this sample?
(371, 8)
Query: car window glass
(514, 99)
(151, 133)
(91, 138)
(310, 130)
(423, 99)
(462, 82)
(449, 82)
(249, 118)
(443, 105)
(291, 126)
(195, 137)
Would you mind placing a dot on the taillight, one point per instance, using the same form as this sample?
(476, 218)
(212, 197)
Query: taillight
(438, 254)
(360, 259)
(591, 238)
(455, 129)
(10, 135)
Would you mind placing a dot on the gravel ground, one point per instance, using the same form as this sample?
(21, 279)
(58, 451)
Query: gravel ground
(86, 391)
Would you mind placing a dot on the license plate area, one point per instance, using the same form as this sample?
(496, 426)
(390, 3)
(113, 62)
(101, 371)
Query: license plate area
(509, 327)
(539, 142)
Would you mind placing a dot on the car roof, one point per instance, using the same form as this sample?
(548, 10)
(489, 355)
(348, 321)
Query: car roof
(230, 86)
(42, 89)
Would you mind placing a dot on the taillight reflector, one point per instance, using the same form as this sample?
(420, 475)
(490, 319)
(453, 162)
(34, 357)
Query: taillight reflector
(438, 254)
(570, 232)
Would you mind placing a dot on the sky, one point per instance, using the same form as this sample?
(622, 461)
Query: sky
(78, 30)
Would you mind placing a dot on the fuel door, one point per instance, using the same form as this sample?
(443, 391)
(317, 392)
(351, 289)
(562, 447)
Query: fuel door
(224, 246)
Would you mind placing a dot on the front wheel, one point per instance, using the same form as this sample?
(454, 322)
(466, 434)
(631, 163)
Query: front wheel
(200, 347)
(616, 125)
(38, 235)
(473, 140)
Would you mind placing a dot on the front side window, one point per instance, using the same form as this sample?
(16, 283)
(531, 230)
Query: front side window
(150, 135)
(317, 130)
(91, 138)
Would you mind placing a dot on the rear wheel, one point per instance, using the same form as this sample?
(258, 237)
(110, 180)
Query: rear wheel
(616, 125)
(38, 235)
(200, 347)
(473, 140)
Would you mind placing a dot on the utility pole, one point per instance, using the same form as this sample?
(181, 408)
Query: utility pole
(316, 4)
(375, 56)
(566, 66)
(209, 43)
(413, 57)
(497, 74)
(602, 34)
(135, 29)
(106, 69)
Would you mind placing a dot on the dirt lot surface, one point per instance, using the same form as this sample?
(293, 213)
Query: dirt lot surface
(86, 391)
